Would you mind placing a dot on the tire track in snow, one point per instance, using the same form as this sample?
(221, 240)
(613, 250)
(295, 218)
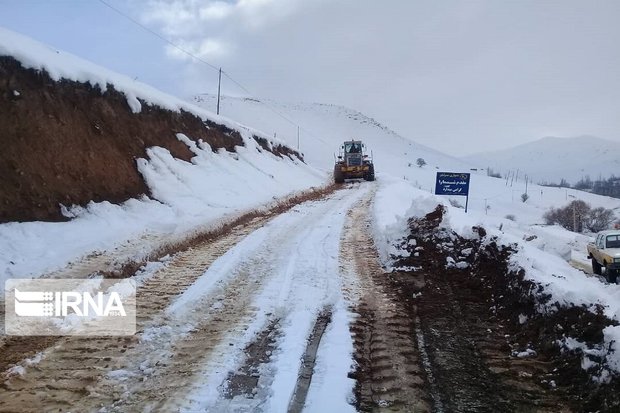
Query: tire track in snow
(224, 308)
(389, 374)
(306, 371)
(73, 368)
(304, 267)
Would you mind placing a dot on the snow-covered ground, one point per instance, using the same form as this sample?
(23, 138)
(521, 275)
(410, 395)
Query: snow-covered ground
(196, 195)
(187, 197)
(297, 254)
(552, 159)
(544, 252)
(405, 190)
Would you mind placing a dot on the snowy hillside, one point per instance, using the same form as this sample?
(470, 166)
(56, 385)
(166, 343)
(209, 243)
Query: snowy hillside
(323, 129)
(184, 196)
(552, 159)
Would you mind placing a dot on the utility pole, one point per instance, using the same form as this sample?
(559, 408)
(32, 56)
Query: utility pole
(526, 179)
(219, 85)
(574, 218)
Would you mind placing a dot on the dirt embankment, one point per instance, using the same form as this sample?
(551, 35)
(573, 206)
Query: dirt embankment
(68, 143)
(490, 348)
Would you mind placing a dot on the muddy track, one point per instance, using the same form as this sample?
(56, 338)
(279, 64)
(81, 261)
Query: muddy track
(389, 370)
(244, 381)
(194, 345)
(472, 359)
(296, 405)
(122, 263)
(471, 355)
(73, 371)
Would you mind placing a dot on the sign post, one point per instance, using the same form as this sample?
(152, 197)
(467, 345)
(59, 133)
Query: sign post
(453, 183)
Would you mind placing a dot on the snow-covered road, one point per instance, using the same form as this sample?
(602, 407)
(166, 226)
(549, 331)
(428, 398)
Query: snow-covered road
(222, 326)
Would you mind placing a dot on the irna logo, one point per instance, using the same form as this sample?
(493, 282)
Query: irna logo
(78, 307)
(63, 303)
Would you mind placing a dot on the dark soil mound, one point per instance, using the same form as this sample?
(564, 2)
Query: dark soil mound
(476, 311)
(68, 143)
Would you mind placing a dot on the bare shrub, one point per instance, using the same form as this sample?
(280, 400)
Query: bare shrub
(578, 215)
(599, 219)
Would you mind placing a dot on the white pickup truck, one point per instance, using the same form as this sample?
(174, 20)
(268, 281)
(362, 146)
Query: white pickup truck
(605, 252)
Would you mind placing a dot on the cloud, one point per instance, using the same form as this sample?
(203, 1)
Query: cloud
(199, 18)
(206, 49)
(216, 10)
(490, 73)
(210, 29)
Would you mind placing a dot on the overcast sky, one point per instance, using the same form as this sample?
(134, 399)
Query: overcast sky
(459, 76)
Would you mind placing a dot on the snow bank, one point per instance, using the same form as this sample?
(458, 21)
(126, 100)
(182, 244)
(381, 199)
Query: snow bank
(395, 202)
(543, 252)
(187, 196)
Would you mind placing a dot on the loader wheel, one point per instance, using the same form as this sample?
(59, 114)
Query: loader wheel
(612, 276)
(370, 176)
(596, 267)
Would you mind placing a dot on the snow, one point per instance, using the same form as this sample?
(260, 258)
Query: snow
(552, 159)
(15, 371)
(296, 251)
(542, 251)
(186, 196)
(405, 191)
(331, 389)
(525, 354)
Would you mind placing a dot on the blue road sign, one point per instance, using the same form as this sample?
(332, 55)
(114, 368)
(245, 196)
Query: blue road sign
(452, 183)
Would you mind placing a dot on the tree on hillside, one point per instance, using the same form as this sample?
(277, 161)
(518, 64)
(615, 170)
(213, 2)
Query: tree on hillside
(578, 215)
(584, 183)
(492, 173)
(570, 217)
(420, 162)
(599, 219)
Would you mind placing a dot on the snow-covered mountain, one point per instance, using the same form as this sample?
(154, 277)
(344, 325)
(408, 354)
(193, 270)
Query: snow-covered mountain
(324, 127)
(552, 159)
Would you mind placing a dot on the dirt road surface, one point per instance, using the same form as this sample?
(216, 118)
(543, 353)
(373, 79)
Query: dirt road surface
(286, 313)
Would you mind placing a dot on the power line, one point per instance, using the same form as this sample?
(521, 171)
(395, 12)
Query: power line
(158, 35)
(181, 49)
(264, 103)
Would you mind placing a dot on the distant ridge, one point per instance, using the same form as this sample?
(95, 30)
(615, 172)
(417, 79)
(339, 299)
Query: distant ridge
(551, 159)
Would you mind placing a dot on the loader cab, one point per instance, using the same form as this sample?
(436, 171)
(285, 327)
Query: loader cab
(352, 153)
(353, 147)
